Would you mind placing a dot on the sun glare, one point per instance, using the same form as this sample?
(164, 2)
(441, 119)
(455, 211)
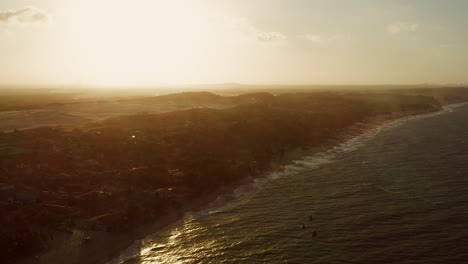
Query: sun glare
(120, 43)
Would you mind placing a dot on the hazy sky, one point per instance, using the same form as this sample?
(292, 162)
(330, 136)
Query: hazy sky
(144, 42)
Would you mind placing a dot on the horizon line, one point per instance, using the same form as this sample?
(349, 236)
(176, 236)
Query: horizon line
(197, 85)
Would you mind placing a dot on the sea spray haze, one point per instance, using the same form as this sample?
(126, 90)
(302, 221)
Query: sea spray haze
(216, 131)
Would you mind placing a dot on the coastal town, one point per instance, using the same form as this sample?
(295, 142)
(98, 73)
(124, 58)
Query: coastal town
(133, 169)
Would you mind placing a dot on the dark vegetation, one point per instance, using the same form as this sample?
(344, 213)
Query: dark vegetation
(33, 101)
(133, 169)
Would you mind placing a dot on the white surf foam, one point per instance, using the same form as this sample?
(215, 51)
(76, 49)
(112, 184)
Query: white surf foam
(312, 162)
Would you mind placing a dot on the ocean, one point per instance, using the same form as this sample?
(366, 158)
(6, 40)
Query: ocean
(395, 194)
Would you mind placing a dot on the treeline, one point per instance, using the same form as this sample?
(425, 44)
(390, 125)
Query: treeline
(213, 147)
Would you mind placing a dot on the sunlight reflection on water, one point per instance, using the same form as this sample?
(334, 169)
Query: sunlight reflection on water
(356, 203)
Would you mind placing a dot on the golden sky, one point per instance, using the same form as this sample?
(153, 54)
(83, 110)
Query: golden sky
(150, 42)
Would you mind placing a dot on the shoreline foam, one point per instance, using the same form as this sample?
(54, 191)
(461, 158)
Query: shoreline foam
(105, 246)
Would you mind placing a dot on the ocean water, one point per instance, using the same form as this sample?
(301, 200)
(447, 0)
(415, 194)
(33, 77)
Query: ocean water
(396, 194)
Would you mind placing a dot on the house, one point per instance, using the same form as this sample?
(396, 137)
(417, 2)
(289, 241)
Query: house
(176, 175)
(164, 193)
(173, 193)
(23, 197)
(106, 222)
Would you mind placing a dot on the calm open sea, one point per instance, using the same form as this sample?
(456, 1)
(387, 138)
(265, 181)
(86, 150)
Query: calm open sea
(396, 194)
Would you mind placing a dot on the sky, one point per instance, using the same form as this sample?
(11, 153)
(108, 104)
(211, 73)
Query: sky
(153, 42)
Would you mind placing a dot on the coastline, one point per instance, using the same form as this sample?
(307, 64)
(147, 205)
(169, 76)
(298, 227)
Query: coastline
(103, 247)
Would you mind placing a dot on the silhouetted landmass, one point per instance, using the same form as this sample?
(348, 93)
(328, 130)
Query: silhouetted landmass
(23, 111)
(133, 169)
(33, 101)
(444, 96)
